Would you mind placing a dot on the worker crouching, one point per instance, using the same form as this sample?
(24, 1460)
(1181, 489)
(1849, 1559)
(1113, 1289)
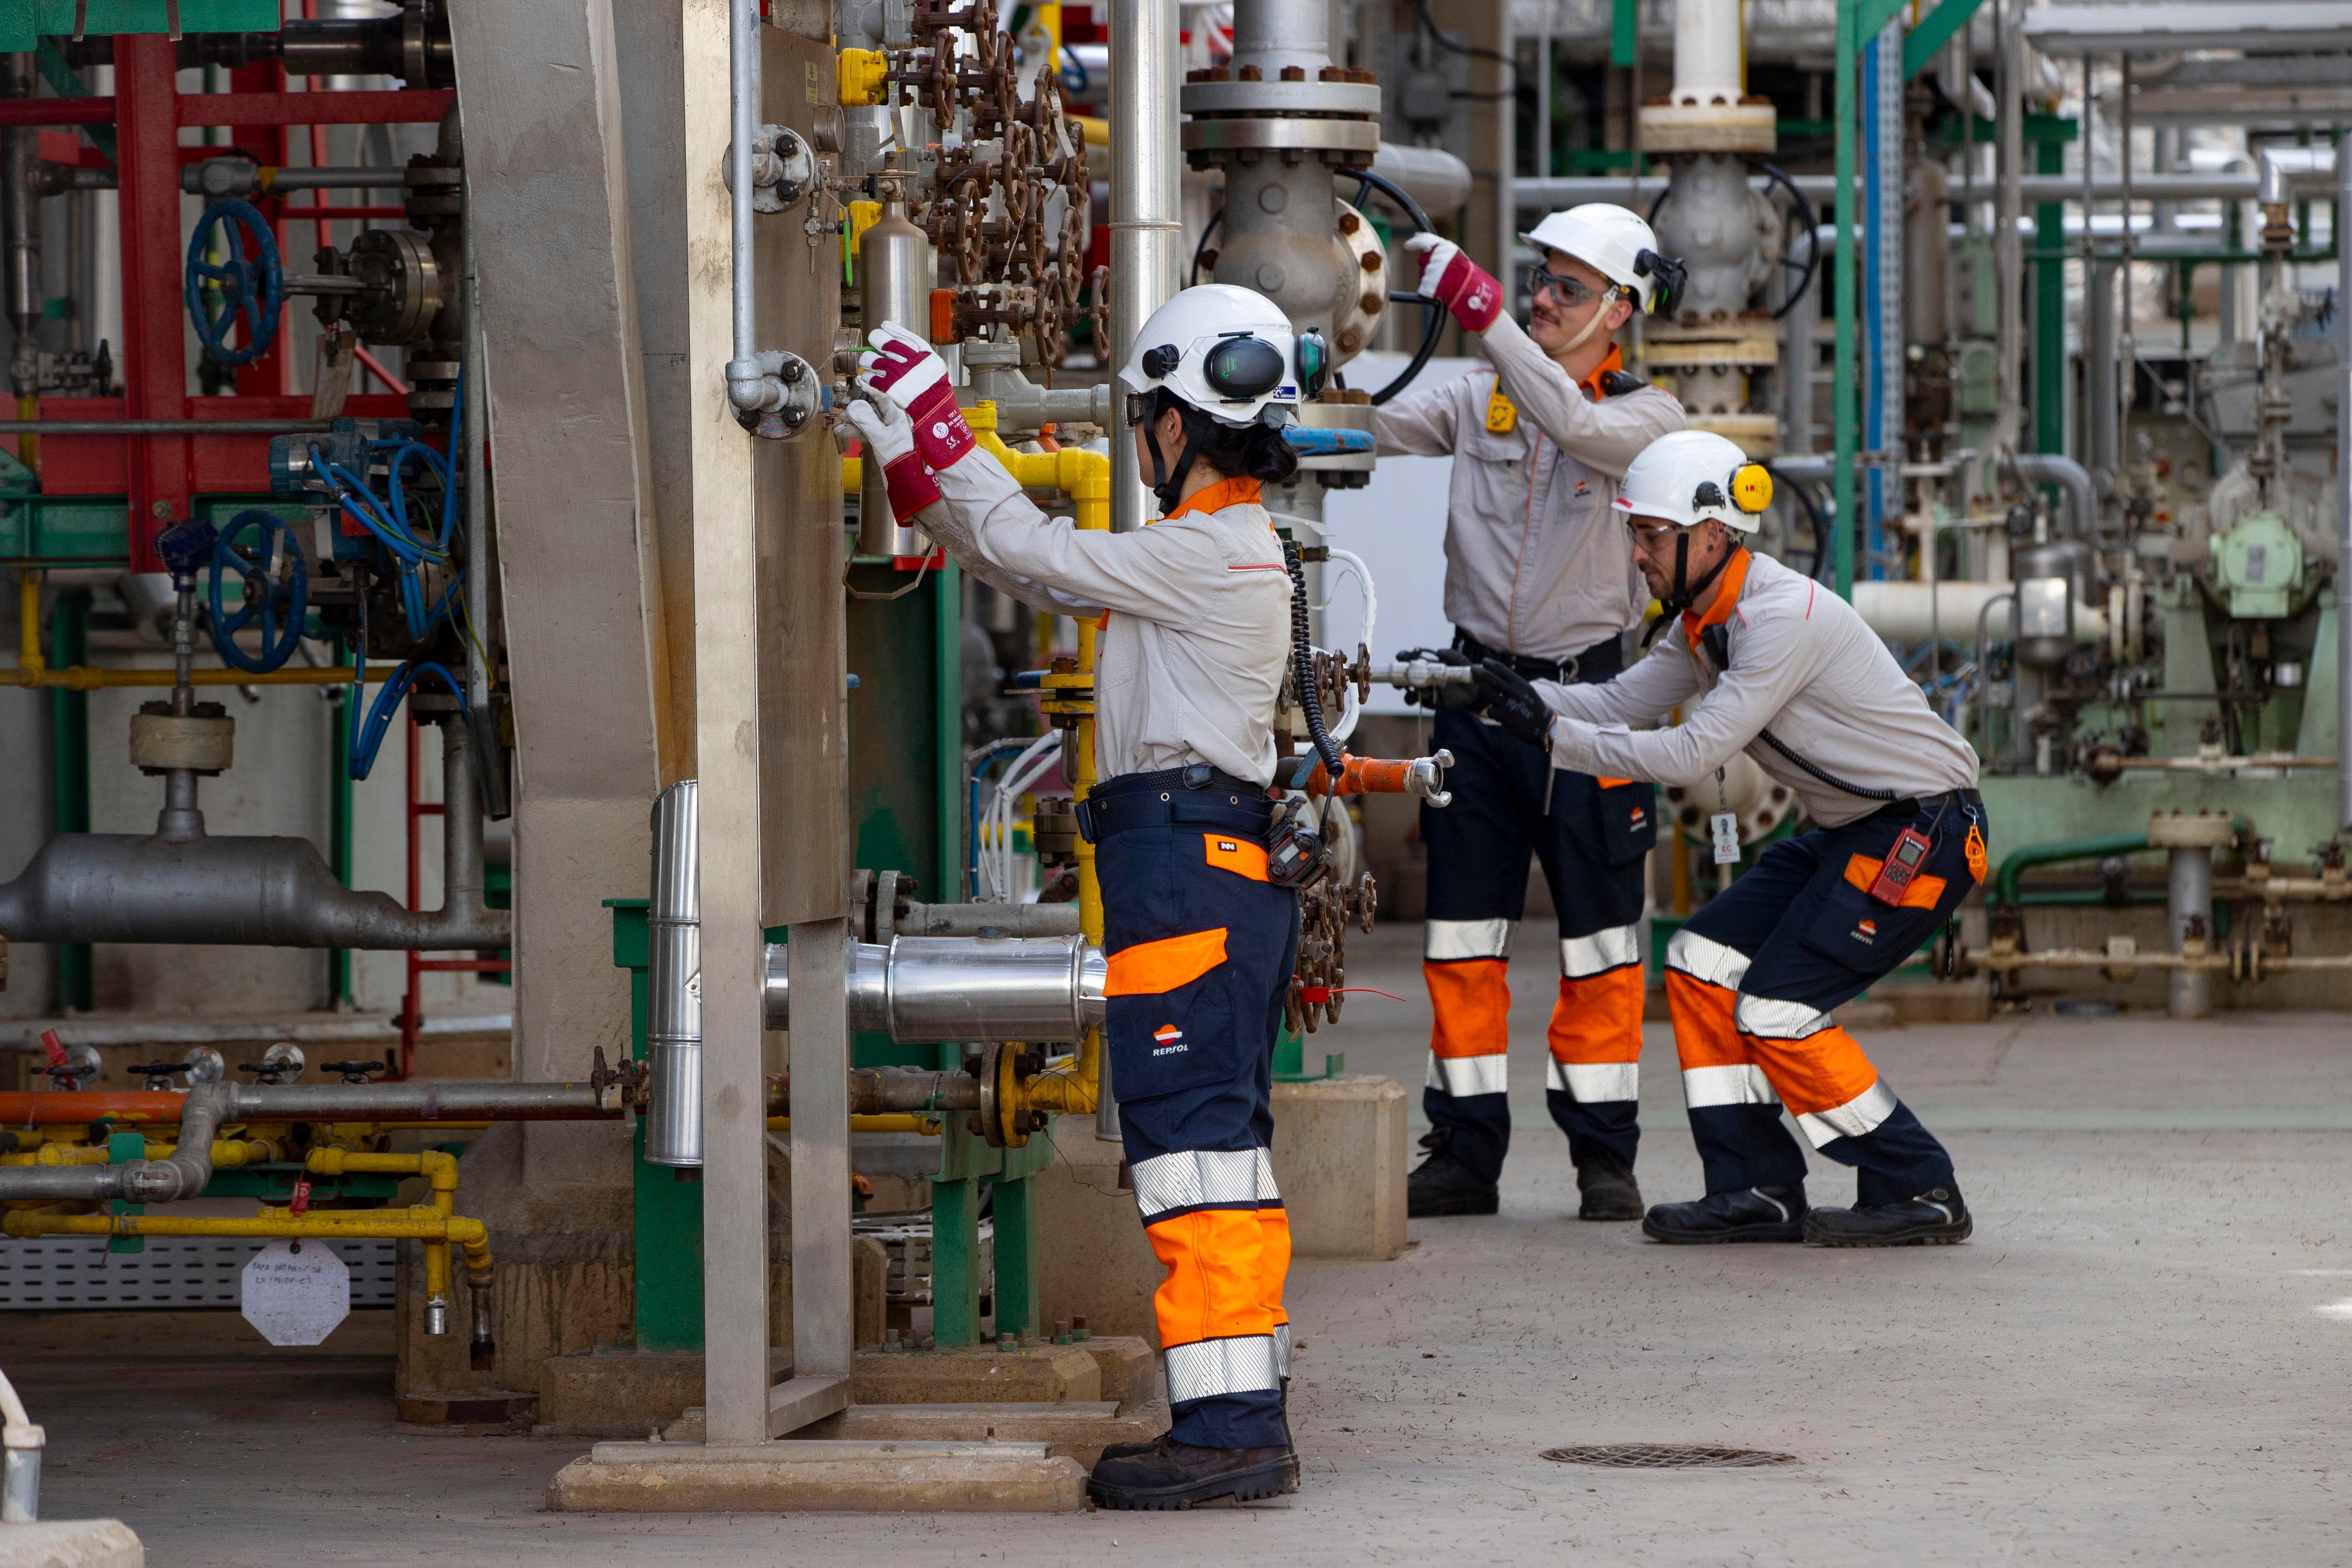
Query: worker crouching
(1767, 662)
(1201, 936)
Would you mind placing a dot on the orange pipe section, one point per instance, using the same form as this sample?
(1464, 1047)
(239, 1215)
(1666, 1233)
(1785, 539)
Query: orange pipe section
(35, 1108)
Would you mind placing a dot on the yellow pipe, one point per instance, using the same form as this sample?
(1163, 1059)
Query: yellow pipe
(1096, 131)
(85, 678)
(885, 1121)
(28, 444)
(1085, 477)
(30, 662)
(853, 474)
(438, 1230)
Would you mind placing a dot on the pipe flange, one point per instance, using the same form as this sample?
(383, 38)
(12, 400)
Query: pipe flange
(1282, 136)
(1281, 98)
(992, 1122)
(2190, 831)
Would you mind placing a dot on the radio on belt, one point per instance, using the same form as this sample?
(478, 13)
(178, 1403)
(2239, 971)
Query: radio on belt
(1903, 862)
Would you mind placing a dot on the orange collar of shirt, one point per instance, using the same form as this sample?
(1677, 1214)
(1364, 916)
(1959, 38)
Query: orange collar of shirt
(1217, 497)
(1591, 383)
(1727, 596)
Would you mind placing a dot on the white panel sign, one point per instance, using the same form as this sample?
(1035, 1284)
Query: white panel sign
(297, 1297)
(1397, 524)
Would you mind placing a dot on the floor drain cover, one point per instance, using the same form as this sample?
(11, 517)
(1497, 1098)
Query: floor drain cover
(1666, 1457)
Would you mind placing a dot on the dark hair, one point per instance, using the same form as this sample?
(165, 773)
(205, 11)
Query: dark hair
(1254, 451)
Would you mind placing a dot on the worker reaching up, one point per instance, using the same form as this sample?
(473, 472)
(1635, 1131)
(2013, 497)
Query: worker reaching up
(1787, 671)
(1201, 931)
(1535, 576)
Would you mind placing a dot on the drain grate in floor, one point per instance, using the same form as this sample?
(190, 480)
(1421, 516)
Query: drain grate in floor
(1666, 1457)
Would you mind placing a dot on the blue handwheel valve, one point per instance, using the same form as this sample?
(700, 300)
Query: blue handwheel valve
(266, 558)
(248, 285)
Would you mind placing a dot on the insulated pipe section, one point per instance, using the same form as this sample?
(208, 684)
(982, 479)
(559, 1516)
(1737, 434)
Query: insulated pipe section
(674, 981)
(252, 892)
(20, 223)
(1036, 989)
(1436, 178)
(988, 920)
(1146, 227)
(20, 1471)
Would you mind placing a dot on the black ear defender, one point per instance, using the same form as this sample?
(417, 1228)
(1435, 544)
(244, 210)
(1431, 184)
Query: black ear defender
(1666, 276)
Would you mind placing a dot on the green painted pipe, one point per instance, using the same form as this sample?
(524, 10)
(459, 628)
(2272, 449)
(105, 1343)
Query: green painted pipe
(2003, 891)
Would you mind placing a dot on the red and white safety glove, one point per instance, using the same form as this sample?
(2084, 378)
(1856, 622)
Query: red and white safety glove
(904, 371)
(889, 438)
(1458, 282)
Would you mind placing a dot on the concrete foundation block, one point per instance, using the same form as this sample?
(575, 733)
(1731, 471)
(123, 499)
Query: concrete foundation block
(1340, 1159)
(1130, 1364)
(799, 1477)
(1081, 1430)
(71, 1544)
(1034, 1373)
(1099, 1267)
(625, 1393)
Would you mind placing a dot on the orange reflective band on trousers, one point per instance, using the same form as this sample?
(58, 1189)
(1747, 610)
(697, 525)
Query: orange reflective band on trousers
(1599, 1019)
(1823, 1071)
(1224, 1268)
(1470, 1007)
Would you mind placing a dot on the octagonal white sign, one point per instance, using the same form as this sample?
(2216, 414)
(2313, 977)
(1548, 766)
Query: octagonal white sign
(297, 1297)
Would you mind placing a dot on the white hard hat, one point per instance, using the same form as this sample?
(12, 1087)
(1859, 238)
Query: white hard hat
(1617, 244)
(1229, 352)
(1690, 476)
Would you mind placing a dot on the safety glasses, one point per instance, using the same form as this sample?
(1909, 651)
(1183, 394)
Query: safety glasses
(1650, 537)
(1568, 291)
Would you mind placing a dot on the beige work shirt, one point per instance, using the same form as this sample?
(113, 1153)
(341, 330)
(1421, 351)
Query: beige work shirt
(1191, 657)
(1801, 663)
(1536, 563)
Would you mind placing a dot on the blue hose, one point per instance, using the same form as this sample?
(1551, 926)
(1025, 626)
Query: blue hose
(367, 739)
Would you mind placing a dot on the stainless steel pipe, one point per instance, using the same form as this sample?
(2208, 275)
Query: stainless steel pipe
(894, 274)
(989, 920)
(674, 981)
(2190, 897)
(2343, 486)
(252, 892)
(1146, 228)
(1041, 989)
(2081, 498)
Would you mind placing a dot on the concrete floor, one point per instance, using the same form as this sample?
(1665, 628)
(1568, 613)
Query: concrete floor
(2143, 1355)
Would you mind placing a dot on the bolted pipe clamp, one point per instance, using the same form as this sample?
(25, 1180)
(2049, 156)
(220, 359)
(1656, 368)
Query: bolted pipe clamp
(783, 168)
(775, 393)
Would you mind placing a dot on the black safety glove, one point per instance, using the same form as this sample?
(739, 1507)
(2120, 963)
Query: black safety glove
(1508, 698)
(1453, 696)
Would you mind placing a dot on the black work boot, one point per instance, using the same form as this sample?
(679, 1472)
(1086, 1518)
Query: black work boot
(1608, 1189)
(1443, 1185)
(1752, 1214)
(1937, 1217)
(1170, 1475)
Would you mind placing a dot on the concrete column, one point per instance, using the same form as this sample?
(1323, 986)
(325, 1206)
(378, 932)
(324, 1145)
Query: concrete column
(537, 91)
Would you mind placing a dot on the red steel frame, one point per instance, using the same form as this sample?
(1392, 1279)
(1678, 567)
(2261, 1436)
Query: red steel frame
(164, 474)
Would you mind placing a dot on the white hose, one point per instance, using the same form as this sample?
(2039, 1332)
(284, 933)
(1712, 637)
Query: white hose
(1354, 564)
(996, 818)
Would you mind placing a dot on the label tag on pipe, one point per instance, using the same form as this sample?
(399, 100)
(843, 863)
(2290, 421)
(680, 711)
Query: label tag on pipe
(296, 1291)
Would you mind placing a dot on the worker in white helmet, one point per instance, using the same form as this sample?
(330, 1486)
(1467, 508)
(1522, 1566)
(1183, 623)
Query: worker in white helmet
(1536, 575)
(1764, 661)
(1199, 923)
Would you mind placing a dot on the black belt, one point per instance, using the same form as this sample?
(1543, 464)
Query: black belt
(1921, 805)
(1601, 662)
(1199, 795)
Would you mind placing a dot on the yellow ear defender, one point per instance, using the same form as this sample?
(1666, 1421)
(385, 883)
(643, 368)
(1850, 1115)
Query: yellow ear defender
(1751, 487)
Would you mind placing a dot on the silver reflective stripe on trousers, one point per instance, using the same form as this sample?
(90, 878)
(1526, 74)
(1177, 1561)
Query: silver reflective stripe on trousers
(1282, 1349)
(1224, 1178)
(1702, 959)
(1446, 941)
(1861, 1114)
(1768, 1019)
(1747, 1085)
(1207, 1368)
(1588, 1082)
(1618, 947)
(1460, 1075)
